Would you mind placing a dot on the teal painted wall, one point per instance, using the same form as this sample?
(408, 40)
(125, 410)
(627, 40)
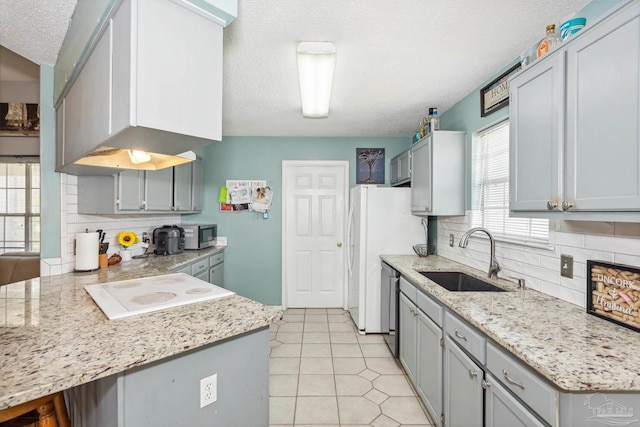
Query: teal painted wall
(253, 258)
(49, 179)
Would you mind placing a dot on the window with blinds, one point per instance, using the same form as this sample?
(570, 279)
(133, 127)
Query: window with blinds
(490, 190)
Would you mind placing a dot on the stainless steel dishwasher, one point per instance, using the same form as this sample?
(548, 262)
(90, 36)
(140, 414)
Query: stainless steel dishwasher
(389, 316)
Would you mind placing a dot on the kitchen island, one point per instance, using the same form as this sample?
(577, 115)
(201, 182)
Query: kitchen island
(574, 358)
(54, 337)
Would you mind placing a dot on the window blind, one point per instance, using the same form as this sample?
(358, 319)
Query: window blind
(490, 189)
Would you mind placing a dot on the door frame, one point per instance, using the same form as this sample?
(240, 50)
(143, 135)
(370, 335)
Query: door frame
(286, 164)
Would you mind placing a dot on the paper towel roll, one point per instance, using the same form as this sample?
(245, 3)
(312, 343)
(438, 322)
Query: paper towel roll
(87, 246)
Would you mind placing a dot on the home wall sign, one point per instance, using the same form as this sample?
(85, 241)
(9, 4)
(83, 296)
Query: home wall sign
(495, 95)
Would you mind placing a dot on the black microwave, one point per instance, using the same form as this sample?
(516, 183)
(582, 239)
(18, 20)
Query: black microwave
(199, 236)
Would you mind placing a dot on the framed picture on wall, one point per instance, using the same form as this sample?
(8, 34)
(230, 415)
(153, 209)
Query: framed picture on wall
(495, 95)
(19, 119)
(370, 165)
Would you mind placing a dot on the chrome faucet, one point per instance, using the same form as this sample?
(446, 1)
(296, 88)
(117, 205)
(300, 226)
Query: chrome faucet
(494, 267)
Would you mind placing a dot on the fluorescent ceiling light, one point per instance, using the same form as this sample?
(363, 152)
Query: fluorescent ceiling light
(316, 62)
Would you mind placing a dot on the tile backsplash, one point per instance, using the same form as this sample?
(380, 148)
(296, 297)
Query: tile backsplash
(540, 266)
(71, 222)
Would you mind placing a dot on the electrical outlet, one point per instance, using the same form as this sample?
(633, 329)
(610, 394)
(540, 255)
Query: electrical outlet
(566, 266)
(208, 390)
(451, 240)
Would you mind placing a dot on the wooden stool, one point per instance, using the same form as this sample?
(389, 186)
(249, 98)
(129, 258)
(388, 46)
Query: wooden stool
(47, 411)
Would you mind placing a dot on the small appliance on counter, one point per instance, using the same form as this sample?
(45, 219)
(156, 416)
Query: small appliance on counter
(200, 236)
(168, 240)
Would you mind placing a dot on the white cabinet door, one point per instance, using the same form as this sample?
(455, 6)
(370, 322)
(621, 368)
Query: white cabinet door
(503, 410)
(463, 403)
(429, 379)
(179, 50)
(408, 337)
(536, 136)
(87, 114)
(603, 116)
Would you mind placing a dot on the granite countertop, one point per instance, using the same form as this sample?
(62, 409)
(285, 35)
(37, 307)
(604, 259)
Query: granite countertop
(54, 337)
(574, 350)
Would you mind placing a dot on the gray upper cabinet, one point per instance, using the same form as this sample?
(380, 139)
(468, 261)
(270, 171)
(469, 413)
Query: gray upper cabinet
(182, 196)
(401, 168)
(133, 191)
(188, 180)
(536, 129)
(158, 190)
(574, 143)
(197, 184)
(138, 86)
(603, 112)
(438, 174)
(129, 191)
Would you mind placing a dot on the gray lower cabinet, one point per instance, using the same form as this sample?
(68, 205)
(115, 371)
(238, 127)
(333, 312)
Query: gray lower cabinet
(408, 338)
(503, 410)
(463, 398)
(420, 350)
(209, 268)
(167, 392)
(429, 381)
(467, 380)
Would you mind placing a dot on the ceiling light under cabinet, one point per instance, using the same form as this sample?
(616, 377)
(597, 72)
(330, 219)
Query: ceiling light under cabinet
(109, 157)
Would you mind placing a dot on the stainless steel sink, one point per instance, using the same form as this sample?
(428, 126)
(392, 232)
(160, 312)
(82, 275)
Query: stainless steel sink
(460, 282)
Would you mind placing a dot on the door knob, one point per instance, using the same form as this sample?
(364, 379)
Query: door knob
(339, 244)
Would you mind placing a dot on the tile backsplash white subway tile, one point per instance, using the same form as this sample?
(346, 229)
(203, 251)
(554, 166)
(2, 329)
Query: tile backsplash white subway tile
(540, 267)
(71, 223)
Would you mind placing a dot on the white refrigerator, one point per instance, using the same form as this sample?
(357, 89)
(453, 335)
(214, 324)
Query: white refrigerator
(380, 223)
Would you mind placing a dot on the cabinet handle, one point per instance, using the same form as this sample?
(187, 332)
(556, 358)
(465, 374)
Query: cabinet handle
(459, 335)
(339, 244)
(566, 205)
(510, 380)
(486, 384)
(472, 373)
(173, 208)
(552, 204)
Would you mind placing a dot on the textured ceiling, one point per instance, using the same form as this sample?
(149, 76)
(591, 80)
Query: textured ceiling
(394, 58)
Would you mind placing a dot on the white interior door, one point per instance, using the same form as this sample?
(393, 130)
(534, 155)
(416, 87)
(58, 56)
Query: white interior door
(313, 225)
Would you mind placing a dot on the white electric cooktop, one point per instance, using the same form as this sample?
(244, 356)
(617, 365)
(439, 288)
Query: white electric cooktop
(136, 296)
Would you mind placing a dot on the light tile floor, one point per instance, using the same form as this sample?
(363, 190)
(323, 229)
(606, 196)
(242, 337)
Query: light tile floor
(323, 373)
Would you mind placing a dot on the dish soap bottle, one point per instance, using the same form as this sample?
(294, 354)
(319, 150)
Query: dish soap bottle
(549, 42)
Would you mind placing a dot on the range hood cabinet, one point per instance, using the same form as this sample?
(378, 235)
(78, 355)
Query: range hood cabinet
(151, 81)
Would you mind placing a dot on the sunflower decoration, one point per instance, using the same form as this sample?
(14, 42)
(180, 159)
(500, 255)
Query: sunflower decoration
(127, 238)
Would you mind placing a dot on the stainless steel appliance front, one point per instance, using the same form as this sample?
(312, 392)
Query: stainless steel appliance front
(389, 315)
(200, 236)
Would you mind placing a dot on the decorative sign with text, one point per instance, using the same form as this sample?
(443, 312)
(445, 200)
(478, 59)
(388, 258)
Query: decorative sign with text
(613, 293)
(495, 95)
